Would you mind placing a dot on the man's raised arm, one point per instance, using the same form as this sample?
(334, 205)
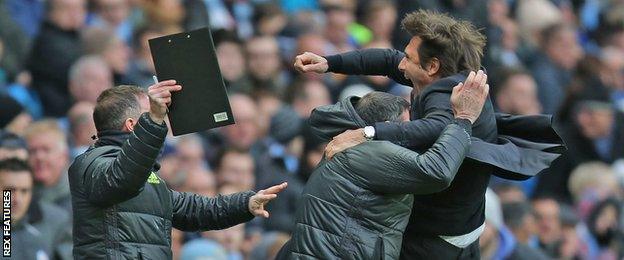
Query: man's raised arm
(384, 62)
(421, 133)
(125, 175)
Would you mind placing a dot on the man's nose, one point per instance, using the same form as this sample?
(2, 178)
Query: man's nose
(402, 65)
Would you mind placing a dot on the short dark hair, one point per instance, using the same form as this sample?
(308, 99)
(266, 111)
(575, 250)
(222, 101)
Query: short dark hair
(11, 141)
(501, 82)
(14, 165)
(458, 45)
(380, 106)
(116, 104)
(550, 33)
(515, 212)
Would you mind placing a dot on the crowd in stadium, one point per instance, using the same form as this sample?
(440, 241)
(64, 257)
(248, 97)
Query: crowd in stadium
(559, 57)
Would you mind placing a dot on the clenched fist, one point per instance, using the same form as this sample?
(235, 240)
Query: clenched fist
(310, 62)
(468, 98)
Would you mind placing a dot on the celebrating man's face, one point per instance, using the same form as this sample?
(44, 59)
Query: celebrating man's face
(411, 65)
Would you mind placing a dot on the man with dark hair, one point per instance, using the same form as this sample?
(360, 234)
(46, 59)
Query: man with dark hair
(439, 55)
(15, 176)
(115, 184)
(39, 229)
(516, 93)
(357, 205)
(51, 221)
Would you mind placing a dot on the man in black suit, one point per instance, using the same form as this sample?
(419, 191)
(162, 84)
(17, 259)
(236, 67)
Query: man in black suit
(447, 224)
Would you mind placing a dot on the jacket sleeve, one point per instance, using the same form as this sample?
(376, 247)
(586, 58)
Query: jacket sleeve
(192, 212)
(419, 134)
(384, 62)
(405, 171)
(115, 180)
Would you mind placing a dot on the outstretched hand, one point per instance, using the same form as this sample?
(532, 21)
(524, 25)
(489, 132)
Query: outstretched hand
(257, 201)
(468, 98)
(310, 62)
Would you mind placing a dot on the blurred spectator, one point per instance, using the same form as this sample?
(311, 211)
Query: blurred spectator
(232, 239)
(202, 249)
(340, 14)
(503, 48)
(14, 44)
(28, 14)
(516, 93)
(81, 127)
(104, 43)
(200, 181)
(592, 182)
(114, 15)
(305, 95)
(549, 228)
(518, 216)
(264, 65)
(533, 16)
(277, 160)
(244, 133)
(55, 49)
(597, 133)
(270, 20)
(268, 105)
(51, 224)
(166, 14)
(553, 67)
(12, 146)
(270, 245)
(604, 234)
(13, 117)
(88, 77)
(141, 67)
(497, 242)
(190, 153)
(380, 17)
(235, 16)
(236, 169)
(49, 159)
(572, 246)
(232, 62)
(509, 193)
(26, 240)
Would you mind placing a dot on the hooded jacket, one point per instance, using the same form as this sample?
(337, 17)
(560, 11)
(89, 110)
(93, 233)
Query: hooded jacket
(511, 147)
(357, 205)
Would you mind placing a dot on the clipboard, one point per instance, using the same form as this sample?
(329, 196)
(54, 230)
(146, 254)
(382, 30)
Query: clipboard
(191, 60)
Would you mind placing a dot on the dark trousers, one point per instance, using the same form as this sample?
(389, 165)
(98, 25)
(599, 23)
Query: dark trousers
(434, 247)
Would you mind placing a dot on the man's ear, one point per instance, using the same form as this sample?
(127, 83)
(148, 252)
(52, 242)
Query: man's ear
(129, 125)
(433, 66)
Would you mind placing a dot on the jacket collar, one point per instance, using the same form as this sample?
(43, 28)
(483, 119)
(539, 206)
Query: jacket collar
(111, 137)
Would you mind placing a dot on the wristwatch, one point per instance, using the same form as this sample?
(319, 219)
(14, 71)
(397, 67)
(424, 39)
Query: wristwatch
(369, 133)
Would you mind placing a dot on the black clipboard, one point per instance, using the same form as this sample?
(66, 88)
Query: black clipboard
(190, 59)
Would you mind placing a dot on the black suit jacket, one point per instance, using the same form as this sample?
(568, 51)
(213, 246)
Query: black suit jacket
(459, 209)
